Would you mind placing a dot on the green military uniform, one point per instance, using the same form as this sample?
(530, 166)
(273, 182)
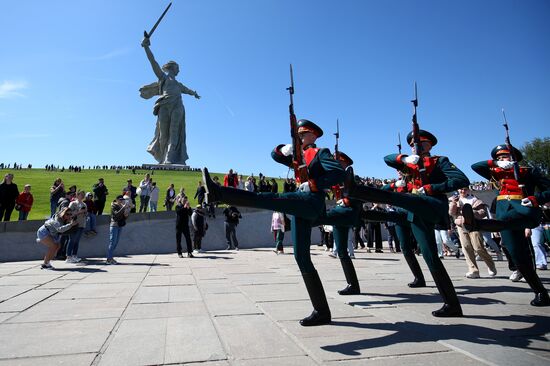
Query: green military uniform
(305, 207)
(404, 234)
(423, 211)
(513, 217)
(346, 214)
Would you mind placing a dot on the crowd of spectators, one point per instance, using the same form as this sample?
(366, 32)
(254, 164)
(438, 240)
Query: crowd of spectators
(15, 166)
(74, 213)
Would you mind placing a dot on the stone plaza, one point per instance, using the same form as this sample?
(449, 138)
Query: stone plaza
(242, 308)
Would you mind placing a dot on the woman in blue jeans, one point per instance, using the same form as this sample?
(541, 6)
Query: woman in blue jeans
(119, 214)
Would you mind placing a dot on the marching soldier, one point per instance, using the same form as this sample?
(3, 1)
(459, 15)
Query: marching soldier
(305, 205)
(518, 208)
(403, 231)
(425, 206)
(346, 214)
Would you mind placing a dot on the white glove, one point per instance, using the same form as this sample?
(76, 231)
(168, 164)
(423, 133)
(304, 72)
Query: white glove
(526, 202)
(411, 159)
(286, 150)
(400, 183)
(421, 191)
(504, 164)
(304, 187)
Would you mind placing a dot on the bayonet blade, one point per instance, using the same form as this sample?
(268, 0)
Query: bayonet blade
(505, 120)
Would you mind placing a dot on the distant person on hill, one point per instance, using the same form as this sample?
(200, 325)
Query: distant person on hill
(170, 197)
(24, 201)
(240, 182)
(200, 194)
(230, 179)
(144, 192)
(133, 193)
(154, 197)
(57, 191)
(249, 185)
(48, 234)
(8, 195)
(100, 195)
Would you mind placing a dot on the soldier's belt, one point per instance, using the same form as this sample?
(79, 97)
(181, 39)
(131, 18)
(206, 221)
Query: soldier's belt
(509, 197)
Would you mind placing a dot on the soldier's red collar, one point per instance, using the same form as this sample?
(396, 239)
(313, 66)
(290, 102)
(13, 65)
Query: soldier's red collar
(309, 146)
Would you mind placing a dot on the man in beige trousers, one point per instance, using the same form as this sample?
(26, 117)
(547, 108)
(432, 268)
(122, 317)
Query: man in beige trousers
(472, 242)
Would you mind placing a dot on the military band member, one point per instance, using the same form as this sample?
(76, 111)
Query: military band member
(518, 208)
(305, 205)
(425, 206)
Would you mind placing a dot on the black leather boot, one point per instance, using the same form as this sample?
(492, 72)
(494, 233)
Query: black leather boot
(451, 306)
(419, 280)
(237, 197)
(321, 312)
(532, 278)
(473, 224)
(541, 299)
(351, 278)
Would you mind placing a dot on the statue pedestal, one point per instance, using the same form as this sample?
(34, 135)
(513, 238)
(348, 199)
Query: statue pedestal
(165, 167)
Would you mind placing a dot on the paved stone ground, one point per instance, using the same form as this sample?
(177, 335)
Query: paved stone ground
(242, 308)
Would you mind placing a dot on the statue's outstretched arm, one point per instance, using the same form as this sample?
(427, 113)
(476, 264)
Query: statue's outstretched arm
(186, 90)
(154, 64)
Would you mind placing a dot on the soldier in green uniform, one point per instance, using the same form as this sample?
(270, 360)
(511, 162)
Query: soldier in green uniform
(518, 208)
(403, 231)
(425, 206)
(346, 214)
(306, 206)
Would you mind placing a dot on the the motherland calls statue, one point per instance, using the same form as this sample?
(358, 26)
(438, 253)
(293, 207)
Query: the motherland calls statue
(168, 145)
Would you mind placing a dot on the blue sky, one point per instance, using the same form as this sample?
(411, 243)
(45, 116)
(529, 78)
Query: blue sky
(70, 73)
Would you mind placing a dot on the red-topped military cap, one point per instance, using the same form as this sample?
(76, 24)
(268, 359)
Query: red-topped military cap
(341, 156)
(424, 136)
(503, 149)
(307, 126)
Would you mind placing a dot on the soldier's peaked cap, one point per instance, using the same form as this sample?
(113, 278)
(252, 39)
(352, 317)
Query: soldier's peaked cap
(503, 149)
(341, 156)
(424, 136)
(307, 126)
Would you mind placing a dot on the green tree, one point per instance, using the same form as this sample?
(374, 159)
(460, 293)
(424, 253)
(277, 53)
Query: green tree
(537, 153)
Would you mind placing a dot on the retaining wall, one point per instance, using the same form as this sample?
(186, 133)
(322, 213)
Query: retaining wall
(152, 233)
(144, 233)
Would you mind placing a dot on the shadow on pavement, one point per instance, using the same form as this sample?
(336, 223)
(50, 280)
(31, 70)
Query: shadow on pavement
(80, 269)
(405, 298)
(414, 332)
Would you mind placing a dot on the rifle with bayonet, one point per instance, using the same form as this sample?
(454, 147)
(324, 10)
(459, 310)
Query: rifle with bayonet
(148, 35)
(298, 163)
(337, 135)
(416, 139)
(399, 142)
(513, 156)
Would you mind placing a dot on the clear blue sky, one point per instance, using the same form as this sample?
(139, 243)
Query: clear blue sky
(70, 73)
